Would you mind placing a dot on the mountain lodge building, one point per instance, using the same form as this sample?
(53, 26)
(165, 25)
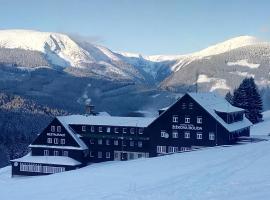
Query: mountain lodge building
(195, 120)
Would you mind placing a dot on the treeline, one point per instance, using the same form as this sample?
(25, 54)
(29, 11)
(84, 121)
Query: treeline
(21, 57)
(20, 122)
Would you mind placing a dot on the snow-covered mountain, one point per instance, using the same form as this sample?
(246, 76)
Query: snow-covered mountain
(220, 67)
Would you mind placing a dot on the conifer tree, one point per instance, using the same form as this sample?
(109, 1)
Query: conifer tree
(229, 97)
(246, 96)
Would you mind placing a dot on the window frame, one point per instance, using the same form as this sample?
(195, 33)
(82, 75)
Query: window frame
(186, 134)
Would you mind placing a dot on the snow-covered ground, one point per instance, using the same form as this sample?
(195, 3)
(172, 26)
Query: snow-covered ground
(263, 128)
(236, 173)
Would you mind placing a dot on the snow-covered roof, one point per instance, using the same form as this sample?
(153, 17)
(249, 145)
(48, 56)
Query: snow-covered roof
(56, 160)
(72, 133)
(106, 120)
(213, 102)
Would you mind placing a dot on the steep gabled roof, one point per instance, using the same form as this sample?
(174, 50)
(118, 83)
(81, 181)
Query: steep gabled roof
(212, 102)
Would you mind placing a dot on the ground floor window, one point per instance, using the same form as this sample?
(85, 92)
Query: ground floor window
(199, 136)
(172, 149)
(108, 154)
(30, 167)
(46, 152)
(99, 154)
(161, 149)
(185, 149)
(187, 135)
(65, 153)
(211, 136)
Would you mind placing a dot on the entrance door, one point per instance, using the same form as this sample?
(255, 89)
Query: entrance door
(124, 156)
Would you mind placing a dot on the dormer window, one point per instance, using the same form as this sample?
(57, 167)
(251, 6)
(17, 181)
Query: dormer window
(83, 128)
(100, 129)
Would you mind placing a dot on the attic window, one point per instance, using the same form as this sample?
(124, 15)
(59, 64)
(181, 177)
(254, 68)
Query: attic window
(52, 128)
(58, 128)
(190, 106)
(175, 118)
(184, 106)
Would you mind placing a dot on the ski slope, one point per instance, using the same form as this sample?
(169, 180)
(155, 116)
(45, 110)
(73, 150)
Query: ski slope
(235, 173)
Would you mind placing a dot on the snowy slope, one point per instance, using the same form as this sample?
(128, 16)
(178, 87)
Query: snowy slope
(236, 173)
(262, 128)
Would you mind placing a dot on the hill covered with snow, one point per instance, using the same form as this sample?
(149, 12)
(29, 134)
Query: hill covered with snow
(235, 172)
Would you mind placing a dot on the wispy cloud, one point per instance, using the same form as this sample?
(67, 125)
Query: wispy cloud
(84, 38)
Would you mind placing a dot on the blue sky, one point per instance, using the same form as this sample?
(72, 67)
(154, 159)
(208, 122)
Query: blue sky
(142, 26)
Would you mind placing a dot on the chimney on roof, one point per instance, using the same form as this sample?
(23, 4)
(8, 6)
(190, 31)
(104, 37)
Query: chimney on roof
(89, 108)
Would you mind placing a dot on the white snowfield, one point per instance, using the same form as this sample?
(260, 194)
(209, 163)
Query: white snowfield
(236, 173)
(244, 63)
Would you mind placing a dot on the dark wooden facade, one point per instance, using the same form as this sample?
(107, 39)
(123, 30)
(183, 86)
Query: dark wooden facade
(185, 125)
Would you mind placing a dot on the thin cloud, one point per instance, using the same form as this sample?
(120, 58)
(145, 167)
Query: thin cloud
(83, 38)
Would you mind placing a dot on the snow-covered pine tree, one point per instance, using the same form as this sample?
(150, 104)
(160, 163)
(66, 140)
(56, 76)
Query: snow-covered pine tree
(229, 97)
(246, 96)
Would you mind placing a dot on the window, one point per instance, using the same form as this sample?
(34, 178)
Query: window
(46, 152)
(131, 143)
(185, 149)
(184, 106)
(161, 149)
(140, 155)
(91, 154)
(175, 118)
(92, 129)
(187, 134)
(83, 128)
(108, 154)
(199, 120)
(163, 134)
(175, 134)
(211, 136)
(107, 142)
(123, 143)
(58, 128)
(187, 120)
(99, 154)
(52, 128)
(116, 156)
(108, 129)
(92, 141)
(124, 130)
(55, 141)
(49, 140)
(100, 129)
(132, 131)
(140, 144)
(190, 106)
(116, 130)
(56, 153)
(172, 149)
(99, 141)
(131, 156)
(140, 131)
(199, 136)
(62, 141)
(115, 142)
(65, 153)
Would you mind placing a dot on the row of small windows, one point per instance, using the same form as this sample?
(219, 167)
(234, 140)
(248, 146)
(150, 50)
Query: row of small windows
(115, 130)
(55, 153)
(116, 142)
(185, 106)
(58, 128)
(26, 167)
(56, 141)
(175, 119)
(175, 134)
(170, 149)
(117, 155)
